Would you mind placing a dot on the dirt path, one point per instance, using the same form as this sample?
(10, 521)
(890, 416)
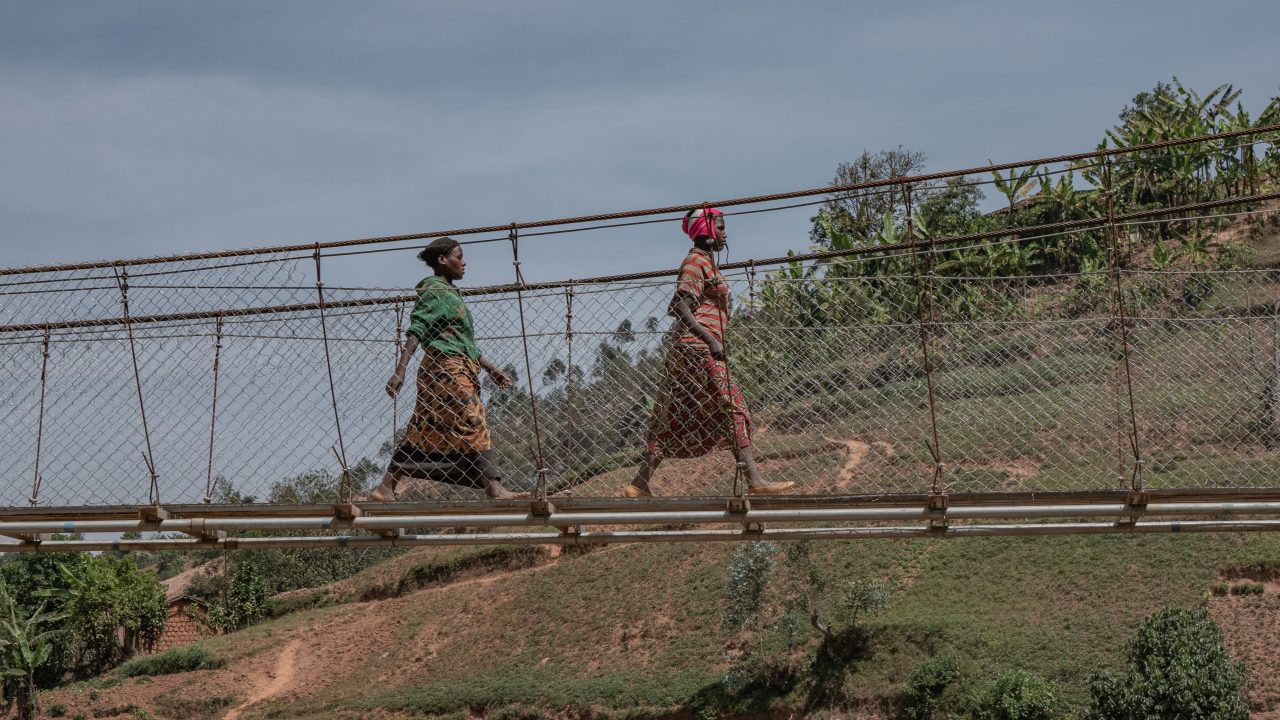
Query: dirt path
(857, 450)
(280, 679)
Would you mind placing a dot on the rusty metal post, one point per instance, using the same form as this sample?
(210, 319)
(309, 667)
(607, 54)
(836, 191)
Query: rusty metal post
(540, 490)
(1136, 480)
(395, 399)
(926, 320)
(44, 365)
(568, 376)
(153, 492)
(213, 410)
(340, 450)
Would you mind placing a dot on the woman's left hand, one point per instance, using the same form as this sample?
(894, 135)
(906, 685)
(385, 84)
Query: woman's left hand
(499, 378)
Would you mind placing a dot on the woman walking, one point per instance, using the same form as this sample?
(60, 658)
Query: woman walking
(699, 409)
(447, 439)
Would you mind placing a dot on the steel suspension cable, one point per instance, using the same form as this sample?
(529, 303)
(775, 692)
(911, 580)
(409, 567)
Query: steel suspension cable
(340, 451)
(1122, 320)
(540, 489)
(44, 365)
(153, 492)
(668, 210)
(213, 410)
(861, 251)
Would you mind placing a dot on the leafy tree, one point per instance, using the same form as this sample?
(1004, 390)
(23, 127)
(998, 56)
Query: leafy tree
(246, 600)
(954, 209)
(25, 646)
(112, 609)
(1176, 668)
(858, 216)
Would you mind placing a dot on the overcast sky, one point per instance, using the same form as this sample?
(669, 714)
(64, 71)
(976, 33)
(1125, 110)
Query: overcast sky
(138, 128)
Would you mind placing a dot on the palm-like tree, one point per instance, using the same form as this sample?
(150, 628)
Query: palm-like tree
(24, 647)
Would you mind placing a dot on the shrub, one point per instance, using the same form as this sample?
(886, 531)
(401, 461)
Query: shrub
(246, 601)
(1248, 588)
(1015, 695)
(1176, 669)
(57, 710)
(177, 660)
(744, 590)
(1220, 588)
(179, 704)
(924, 689)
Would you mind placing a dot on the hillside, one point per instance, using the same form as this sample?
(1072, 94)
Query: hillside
(632, 631)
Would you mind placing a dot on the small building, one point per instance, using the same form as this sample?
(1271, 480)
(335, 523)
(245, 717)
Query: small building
(184, 625)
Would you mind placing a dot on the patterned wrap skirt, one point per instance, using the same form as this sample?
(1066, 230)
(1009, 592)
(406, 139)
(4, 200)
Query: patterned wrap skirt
(698, 408)
(447, 439)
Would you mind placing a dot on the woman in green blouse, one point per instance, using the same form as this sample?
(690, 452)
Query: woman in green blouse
(447, 438)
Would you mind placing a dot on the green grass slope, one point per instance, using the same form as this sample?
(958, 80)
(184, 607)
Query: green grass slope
(631, 631)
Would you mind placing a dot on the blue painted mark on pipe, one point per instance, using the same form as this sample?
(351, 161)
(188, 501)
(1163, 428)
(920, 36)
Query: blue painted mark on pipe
(1176, 527)
(68, 527)
(325, 524)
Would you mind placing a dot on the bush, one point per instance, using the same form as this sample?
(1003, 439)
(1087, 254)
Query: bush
(57, 710)
(744, 589)
(1015, 695)
(1248, 588)
(246, 602)
(177, 660)
(1220, 589)
(1177, 669)
(924, 690)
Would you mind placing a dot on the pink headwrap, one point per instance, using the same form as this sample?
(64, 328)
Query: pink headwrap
(702, 223)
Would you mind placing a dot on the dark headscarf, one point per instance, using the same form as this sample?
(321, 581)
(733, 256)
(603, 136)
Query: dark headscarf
(436, 249)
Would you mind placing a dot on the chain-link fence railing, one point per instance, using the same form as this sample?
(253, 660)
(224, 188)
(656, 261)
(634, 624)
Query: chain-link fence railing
(1027, 387)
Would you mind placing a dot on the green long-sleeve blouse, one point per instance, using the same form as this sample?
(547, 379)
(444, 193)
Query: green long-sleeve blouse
(441, 321)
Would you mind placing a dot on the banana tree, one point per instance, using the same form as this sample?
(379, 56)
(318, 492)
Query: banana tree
(1015, 186)
(24, 647)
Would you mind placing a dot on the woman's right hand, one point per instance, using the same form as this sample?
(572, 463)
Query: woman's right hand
(717, 350)
(394, 383)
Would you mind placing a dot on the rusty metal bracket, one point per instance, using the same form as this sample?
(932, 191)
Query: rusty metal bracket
(1136, 505)
(31, 538)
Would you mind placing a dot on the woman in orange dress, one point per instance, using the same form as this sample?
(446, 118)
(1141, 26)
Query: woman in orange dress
(699, 408)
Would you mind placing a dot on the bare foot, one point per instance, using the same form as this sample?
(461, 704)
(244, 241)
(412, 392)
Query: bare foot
(776, 488)
(494, 490)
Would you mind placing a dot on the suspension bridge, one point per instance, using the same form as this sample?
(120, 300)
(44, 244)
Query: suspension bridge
(234, 399)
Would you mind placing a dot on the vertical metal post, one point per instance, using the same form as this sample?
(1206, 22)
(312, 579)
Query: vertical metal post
(1123, 332)
(568, 375)
(540, 491)
(213, 410)
(395, 399)
(925, 319)
(44, 365)
(153, 492)
(339, 451)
